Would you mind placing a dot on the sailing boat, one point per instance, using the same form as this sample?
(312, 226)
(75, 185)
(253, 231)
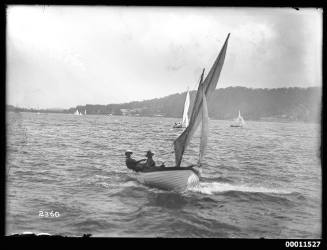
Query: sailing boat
(85, 112)
(181, 178)
(77, 112)
(185, 120)
(239, 121)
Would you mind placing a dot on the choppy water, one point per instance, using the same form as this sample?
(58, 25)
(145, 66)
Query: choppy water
(263, 180)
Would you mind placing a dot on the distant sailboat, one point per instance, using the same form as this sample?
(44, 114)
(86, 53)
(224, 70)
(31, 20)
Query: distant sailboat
(85, 112)
(77, 112)
(239, 121)
(181, 178)
(185, 120)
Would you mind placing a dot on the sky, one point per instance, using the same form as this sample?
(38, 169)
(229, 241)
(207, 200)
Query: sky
(64, 56)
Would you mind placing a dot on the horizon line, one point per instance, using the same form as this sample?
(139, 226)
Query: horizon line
(121, 103)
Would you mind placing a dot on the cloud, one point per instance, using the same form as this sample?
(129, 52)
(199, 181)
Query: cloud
(68, 56)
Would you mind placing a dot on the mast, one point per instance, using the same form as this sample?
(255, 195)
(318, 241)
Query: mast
(204, 128)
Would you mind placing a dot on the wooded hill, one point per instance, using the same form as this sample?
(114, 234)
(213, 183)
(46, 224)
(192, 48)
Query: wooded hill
(294, 104)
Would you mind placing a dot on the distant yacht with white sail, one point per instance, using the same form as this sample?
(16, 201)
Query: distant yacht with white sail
(239, 121)
(77, 112)
(185, 120)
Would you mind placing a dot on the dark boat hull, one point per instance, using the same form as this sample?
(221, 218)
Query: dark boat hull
(178, 126)
(236, 126)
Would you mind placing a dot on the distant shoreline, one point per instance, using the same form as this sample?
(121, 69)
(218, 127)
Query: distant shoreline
(280, 104)
(263, 119)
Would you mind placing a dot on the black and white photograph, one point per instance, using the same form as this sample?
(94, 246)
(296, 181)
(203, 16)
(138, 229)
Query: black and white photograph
(163, 121)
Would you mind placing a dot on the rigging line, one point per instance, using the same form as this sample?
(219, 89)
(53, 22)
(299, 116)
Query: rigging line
(170, 152)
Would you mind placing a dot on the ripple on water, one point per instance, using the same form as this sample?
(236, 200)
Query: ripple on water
(252, 185)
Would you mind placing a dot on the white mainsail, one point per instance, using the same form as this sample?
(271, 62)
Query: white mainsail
(240, 118)
(85, 112)
(208, 86)
(76, 112)
(239, 121)
(185, 120)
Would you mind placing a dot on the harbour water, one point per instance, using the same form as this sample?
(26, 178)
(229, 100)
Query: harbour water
(262, 180)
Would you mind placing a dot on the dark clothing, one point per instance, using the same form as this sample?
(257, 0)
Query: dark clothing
(131, 163)
(134, 165)
(150, 163)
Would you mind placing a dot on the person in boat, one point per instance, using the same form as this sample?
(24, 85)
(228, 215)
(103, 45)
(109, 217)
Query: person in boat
(150, 163)
(177, 125)
(132, 163)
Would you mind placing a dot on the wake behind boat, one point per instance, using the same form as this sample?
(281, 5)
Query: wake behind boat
(181, 178)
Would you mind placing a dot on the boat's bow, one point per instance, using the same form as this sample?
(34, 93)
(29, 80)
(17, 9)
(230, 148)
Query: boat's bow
(176, 180)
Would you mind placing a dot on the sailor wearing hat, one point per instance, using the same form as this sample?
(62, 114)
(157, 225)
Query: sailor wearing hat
(150, 162)
(132, 163)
